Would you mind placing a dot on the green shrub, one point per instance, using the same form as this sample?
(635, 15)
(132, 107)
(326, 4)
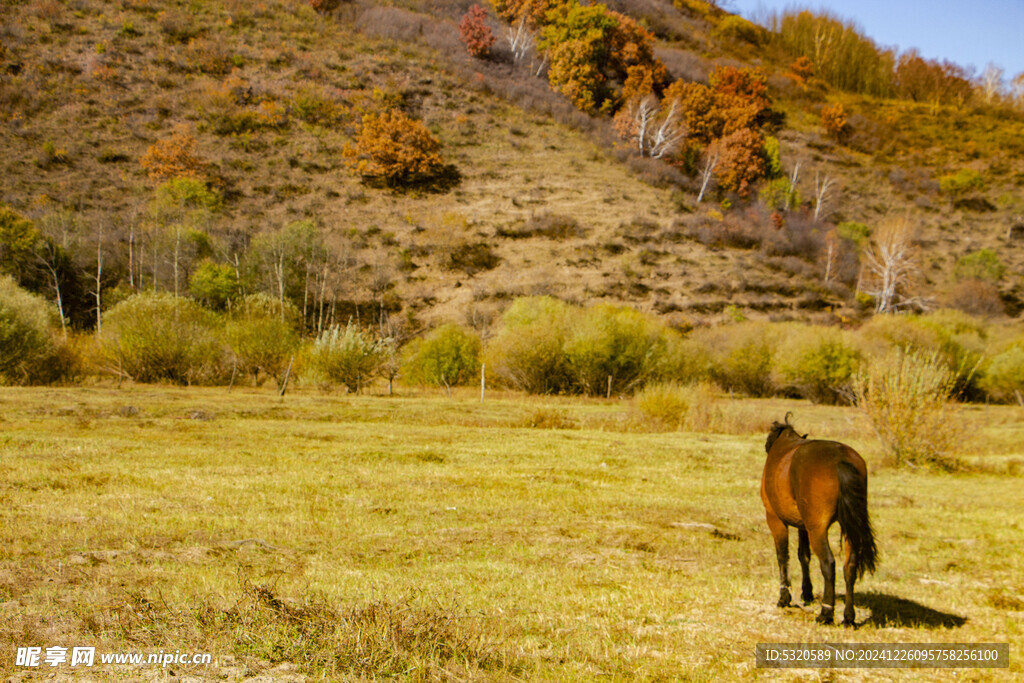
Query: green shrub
(962, 341)
(961, 182)
(154, 337)
(957, 339)
(819, 362)
(736, 27)
(449, 356)
(779, 195)
(983, 264)
(214, 284)
(1003, 379)
(772, 154)
(686, 360)
(669, 406)
(615, 342)
(263, 337)
(664, 405)
(527, 352)
(741, 356)
(186, 194)
(348, 356)
(858, 233)
(906, 397)
(18, 240)
(24, 332)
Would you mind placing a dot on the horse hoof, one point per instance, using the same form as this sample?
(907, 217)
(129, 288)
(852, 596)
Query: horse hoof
(849, 623)
(784, 598)
(808, 598)
(824, 618)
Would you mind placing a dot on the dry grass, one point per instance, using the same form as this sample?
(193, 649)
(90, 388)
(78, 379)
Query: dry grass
(434, 539)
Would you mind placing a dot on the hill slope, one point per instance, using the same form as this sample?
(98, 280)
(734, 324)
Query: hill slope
(548, 201)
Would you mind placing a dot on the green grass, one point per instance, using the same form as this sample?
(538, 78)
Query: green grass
(357, 537)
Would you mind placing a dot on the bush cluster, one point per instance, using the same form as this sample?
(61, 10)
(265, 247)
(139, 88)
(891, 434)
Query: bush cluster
(348, 356)
(540, 345)
(906, 396)
(25, 337)
(546, 346)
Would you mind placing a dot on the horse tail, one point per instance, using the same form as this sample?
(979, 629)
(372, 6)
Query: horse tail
(852, 512)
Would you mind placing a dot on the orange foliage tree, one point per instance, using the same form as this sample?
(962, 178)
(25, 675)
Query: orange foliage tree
(802, 69)
(741, 161)
(475, 33)
(395, 149)
(737, 99)
(833, 118)
(924, 80)
(174, 157)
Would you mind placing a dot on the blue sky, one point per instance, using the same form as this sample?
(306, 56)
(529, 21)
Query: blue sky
(968, 32)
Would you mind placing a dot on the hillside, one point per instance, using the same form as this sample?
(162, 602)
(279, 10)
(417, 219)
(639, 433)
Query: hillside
(546, 199)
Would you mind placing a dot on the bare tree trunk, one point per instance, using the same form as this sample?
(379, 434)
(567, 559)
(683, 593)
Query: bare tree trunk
(60, 300)
(131, 254)
(305, 297)
(822, 190)
(323, 295)
(177, 252)
(287, 374)
(709, 168)
(279, 268)
(99, 279)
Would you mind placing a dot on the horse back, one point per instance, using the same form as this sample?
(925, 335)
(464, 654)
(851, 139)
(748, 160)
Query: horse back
(805, 476)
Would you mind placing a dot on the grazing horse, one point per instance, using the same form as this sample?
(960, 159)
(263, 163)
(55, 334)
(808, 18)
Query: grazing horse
(809, 484)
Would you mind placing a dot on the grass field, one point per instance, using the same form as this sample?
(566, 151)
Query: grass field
(347, 538)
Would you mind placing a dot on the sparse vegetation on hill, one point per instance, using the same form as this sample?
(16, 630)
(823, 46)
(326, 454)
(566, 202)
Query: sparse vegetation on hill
(158, 147)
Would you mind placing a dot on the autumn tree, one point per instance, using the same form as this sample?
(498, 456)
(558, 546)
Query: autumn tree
(174, 157)
(924, 80)
(741, 161)
(736, 99)
(475, 33)
(802, 69)
(833, 118)
(395, 149)
(599, 57)
(532, 13)
(842, 56)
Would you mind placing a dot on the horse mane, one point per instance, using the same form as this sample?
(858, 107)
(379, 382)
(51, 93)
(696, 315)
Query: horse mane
(778, 428)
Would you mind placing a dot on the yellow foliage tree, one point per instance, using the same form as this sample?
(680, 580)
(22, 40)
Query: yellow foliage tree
(395, 149)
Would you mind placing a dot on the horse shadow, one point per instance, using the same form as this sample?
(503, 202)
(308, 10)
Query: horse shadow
(889, 610)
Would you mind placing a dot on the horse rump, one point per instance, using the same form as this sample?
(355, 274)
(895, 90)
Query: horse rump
(852, 513)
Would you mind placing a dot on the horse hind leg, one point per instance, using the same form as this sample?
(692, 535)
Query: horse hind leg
(780, 534)
(818, 537)
(804, 554)
(850, 576)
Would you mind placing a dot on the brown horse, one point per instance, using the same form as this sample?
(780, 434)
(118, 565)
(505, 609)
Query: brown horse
(810, 484)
